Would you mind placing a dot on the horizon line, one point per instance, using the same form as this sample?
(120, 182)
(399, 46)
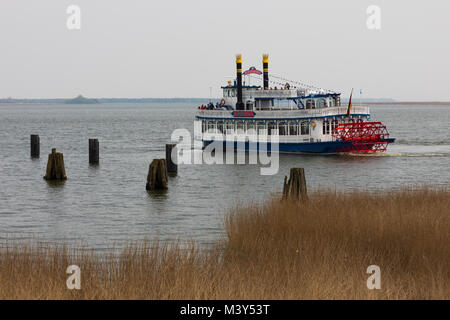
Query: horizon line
(374, 100)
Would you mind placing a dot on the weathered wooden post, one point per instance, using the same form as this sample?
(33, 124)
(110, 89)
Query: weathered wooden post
(55, 166)
(157, 175)
(35, 146)
(94, 151)
(296, 185)
(171, 162)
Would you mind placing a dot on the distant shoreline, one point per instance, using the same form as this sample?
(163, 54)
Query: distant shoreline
(200, 100)
(105, 100)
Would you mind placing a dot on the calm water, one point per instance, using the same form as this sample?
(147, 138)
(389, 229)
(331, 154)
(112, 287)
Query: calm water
(108, 205)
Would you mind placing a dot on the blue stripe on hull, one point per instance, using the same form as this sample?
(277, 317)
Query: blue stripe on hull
(328, 147)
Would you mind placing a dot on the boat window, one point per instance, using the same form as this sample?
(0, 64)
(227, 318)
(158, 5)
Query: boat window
(261, 127)
(220, 126)
(271, 126)
(293, 128)
(320, 103)
(240, 126)
(310, 104)
(250, 127)
(326, 127)
(211, 126)
(305, 128)
(204, 126)
(282, 129)
(360, 120)
(229, 126)
(334, 125)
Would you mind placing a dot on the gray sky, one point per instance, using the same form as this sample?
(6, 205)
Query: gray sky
(180, 48)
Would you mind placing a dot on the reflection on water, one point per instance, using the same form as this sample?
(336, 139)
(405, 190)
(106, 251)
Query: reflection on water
(52, 184)
(160, 195)
(107, 204)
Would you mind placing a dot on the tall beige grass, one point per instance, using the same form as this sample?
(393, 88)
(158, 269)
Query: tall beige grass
(315, 249)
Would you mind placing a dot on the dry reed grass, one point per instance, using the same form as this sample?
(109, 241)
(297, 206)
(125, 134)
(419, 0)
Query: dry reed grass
(316, 249)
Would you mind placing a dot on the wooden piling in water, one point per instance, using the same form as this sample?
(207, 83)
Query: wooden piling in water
(295, 187)
(35, 146)
(171, 161)
(157, 175)
(55, 166)
(94, 151)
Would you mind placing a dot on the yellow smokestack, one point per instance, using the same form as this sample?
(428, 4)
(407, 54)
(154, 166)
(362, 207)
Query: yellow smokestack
(266, 71)
(239, 62)
(239, 104)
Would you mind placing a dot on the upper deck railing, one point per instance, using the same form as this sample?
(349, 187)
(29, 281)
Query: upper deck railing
(287, 113)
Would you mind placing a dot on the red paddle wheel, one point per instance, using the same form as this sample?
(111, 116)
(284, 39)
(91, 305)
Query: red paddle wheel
(365, 137)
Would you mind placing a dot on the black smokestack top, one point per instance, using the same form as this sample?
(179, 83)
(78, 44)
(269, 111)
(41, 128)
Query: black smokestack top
(266, 71)
(239, 104)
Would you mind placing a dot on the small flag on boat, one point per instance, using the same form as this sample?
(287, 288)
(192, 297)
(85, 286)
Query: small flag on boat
(349, 108)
